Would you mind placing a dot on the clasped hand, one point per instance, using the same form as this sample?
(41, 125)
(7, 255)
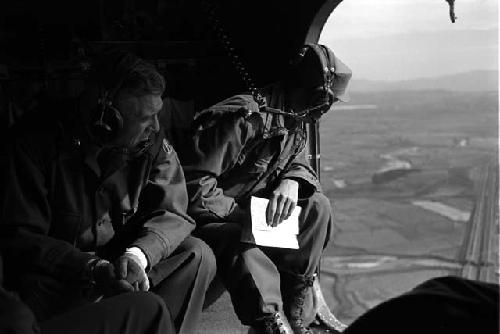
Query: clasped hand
(129, 268)
(126, 275)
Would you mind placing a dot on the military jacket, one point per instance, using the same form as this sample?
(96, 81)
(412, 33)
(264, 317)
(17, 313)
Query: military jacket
(61, 208)
(236, 152)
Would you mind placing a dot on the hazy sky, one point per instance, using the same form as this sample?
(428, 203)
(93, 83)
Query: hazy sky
(404, 39)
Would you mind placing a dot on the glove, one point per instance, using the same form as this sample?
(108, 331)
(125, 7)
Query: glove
(106, 281)
(130, 269)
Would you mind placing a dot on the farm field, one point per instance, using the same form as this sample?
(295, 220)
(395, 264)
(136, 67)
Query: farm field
(408, 227)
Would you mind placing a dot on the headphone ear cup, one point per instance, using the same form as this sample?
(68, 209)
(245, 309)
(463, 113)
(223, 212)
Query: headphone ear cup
(321, 96)
(114, 119)
(109, 73)
(108, 123)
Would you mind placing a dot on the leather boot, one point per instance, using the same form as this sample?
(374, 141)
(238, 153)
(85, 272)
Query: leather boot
(298, 302)
(273, 324)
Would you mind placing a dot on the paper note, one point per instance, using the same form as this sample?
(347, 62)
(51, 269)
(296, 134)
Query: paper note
(284, 235)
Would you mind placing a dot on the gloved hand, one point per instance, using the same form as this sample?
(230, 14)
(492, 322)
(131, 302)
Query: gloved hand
(129, 268)
(106, 281)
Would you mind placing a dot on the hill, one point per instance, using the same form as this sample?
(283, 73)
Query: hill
(481, 80)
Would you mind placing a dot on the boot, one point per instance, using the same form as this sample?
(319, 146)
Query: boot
(273, 324)
(298, 301)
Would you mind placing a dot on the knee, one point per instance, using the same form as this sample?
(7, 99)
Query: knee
(221, 237)
(321, 203)
(324, 208)
(14, 315)
(318, 216)
(147, 302)
(202, 254)
(150, 310)
(317, 209)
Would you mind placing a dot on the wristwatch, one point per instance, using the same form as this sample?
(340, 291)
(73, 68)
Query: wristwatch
(88, 276)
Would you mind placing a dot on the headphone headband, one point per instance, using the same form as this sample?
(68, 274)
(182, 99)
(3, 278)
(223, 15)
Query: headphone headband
(112, 69)
(110, 72)
(335, 75)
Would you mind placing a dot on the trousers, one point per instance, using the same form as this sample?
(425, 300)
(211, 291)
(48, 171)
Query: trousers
(253, 274)
(181, 280)
(130, 313)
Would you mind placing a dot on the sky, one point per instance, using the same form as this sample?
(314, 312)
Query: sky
(406, 39)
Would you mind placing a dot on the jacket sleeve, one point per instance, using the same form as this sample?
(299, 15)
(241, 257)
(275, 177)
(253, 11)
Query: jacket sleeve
(164, 201)
(300, 171)
(213, 150)
(27, 219)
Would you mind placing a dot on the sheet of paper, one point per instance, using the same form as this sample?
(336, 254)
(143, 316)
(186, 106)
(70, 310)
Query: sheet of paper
(284, 235)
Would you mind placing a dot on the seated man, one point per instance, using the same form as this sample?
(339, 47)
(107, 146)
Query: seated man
(95, 201)
(239, 150)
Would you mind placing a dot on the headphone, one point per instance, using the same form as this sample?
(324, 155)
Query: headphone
(110, 72)
(316, 68)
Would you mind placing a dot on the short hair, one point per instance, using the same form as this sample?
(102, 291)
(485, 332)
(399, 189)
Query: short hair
(142, 79)
(119, 72)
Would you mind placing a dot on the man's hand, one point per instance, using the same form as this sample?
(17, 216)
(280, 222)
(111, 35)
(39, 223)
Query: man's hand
(130, 269)
(106, 282)
(282, 202)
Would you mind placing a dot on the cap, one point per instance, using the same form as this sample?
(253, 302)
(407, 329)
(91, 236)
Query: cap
(317, 64)
(341, 76)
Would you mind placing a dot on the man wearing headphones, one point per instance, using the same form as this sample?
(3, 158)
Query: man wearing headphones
(241, 149)
(96, 201)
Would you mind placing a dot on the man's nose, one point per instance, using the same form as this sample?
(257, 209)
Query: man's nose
(156, 124)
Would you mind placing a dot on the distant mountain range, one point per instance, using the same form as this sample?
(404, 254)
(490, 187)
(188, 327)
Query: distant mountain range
(483, 80)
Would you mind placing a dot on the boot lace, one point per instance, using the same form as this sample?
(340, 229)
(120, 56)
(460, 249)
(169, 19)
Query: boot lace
(296, 318)
(275, 325)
